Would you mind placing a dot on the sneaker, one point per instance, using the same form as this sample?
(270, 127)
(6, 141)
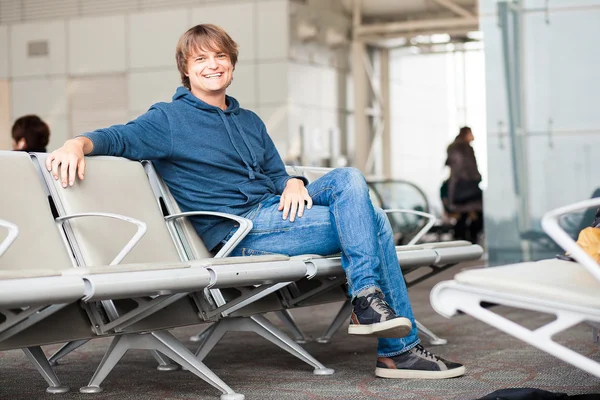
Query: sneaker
(373, 316)
(417, 363)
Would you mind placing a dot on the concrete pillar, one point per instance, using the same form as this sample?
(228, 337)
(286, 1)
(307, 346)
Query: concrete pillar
(360, 80)
(362, 127)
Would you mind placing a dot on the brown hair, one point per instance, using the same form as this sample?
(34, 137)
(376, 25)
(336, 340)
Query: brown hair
(203, 37)
(35, 132)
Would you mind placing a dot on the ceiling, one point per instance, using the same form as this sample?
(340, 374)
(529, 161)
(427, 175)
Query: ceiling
(389, 23)
(398, 10)
(398, 23)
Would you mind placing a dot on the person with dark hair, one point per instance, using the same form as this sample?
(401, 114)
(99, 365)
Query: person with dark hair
(30, 133)
(217, 156)
(461, 194)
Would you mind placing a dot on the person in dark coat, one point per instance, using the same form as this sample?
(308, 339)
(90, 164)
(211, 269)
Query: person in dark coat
(464, 198)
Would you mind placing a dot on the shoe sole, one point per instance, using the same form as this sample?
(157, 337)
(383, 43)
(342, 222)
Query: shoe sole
(394, 328)
(413, 374)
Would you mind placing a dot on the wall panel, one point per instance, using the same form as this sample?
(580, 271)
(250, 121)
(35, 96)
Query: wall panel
(97, 45)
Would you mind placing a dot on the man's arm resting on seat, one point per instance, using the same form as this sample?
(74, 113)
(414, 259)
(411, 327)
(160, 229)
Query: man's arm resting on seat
(148, 137)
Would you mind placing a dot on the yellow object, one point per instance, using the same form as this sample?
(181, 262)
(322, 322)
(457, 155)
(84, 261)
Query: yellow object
(589, 240)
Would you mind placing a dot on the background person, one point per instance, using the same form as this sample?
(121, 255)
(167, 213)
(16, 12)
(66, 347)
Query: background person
(30, 133)
(464, 197)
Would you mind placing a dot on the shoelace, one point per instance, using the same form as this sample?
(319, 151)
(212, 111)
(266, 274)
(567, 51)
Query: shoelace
(426, 353)
(380, 304)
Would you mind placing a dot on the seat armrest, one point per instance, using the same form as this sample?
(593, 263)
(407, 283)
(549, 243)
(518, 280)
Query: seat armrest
(141, 230)
(432, 218)
(13, 232)
(236, 238)
(551, 226)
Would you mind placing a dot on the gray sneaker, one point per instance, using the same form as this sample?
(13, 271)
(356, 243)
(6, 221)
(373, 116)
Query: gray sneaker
(417, 363)
(373, 316)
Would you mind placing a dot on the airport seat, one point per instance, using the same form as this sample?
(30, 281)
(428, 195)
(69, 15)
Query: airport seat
(240, 308)
(40, 304)
(95, 241)
(568, 290)
(155, 293)
(29, 296)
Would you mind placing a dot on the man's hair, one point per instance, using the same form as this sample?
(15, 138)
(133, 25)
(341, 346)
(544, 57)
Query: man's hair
(35, 132)
(203, 37)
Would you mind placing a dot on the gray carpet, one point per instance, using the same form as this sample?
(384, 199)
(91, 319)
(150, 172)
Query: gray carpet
(254, 367)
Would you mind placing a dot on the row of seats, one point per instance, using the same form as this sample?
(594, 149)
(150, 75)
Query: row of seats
(113, 256)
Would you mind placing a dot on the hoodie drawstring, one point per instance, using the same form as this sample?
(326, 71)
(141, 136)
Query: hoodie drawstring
(251, 174)
(245, 139)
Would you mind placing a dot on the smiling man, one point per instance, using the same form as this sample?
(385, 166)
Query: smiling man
(216, 156)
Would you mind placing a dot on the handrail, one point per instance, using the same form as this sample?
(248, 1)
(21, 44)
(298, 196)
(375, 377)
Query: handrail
(141, 230)
(432, 219)
(236, 238)
(13, 232)
(402, 181)
(552, 228)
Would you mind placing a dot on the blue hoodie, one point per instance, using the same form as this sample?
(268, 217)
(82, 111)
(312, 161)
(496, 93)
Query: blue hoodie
(212, 160)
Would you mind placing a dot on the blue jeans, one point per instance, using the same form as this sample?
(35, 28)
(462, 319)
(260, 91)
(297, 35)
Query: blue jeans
(344, 220)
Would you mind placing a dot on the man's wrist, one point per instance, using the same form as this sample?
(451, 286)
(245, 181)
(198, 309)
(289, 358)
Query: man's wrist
(294, 179)
(85, 143)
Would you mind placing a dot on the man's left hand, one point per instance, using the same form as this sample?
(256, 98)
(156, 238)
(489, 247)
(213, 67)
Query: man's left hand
(293, 199)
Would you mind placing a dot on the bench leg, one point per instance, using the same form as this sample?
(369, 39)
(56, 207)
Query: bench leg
(168, 345)
(342, 316)
(288, 320)
(434, 340)
(266, 329)
(285, 316)
(212, 336)
(164, 364)
(262, 326)
(117, 349)
(38, 358)
(199, 337)
(66, 349)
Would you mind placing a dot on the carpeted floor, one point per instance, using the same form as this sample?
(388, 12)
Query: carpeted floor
(261, 371)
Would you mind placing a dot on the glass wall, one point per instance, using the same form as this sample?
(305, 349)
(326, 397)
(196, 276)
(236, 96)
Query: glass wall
(543, 124)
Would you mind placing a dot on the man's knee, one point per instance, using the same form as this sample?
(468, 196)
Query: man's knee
(380, 214)
(349, 177)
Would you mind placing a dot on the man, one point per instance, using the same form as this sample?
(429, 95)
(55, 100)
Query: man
(30, 133)
(216, 156)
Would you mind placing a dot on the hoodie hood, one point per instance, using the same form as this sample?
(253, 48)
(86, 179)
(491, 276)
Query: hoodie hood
(182, 93)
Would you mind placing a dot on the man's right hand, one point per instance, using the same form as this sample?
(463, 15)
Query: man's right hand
(68, 161)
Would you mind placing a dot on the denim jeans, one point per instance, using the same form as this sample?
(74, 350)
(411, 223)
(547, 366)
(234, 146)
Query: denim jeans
(344, 220)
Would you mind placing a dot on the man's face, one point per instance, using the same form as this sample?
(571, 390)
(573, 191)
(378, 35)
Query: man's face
(210, 73)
